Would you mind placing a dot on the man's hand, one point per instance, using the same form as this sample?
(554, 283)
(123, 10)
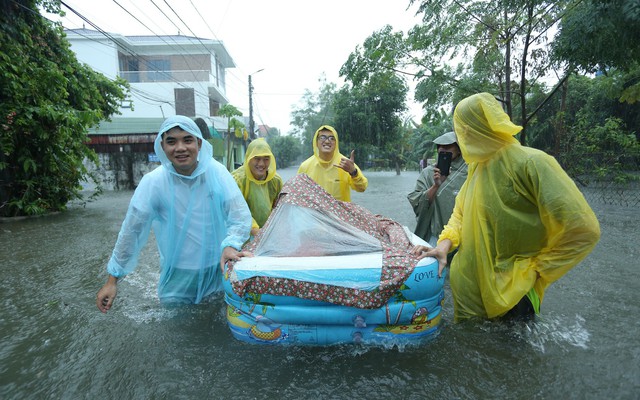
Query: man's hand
(439, 253)
(107, 294)
(348, 164)
(438, 179)
(231, 254)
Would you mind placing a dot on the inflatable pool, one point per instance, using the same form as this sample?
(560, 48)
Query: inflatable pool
(411, 316)
(328, 272)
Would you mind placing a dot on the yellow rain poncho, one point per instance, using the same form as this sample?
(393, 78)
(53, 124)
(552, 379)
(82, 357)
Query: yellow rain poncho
(519, 222)
(333, 179)
(260, 195)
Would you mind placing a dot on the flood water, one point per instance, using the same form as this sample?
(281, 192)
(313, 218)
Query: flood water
(55, 344)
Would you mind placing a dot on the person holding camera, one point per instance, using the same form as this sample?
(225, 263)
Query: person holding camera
(435, 193)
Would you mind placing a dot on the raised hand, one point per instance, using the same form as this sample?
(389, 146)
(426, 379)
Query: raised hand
(348, 164)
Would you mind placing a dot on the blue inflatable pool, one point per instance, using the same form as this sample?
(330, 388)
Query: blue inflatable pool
(328, 272)
(412, 315)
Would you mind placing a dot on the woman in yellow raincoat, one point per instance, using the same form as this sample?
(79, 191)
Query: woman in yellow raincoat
(336, 173)
(519, 222)
(258, 181)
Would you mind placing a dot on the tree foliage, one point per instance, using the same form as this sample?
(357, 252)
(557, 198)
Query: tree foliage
(595, 150)
(315, 110)
(422, 136)
(602, 36)
(49, 101)
(368, 117)
(286, 149)
(230, 112)
(597, 35)
(463, 47)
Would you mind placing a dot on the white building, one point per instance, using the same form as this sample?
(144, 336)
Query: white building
(168, 75)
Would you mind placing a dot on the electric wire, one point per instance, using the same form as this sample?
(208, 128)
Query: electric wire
(133, 53)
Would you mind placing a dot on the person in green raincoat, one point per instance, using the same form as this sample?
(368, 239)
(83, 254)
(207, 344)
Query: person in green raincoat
(435, 194)
(519, 222)
(259, 182)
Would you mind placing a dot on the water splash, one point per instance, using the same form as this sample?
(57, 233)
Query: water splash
(555, 330)
(150, 315)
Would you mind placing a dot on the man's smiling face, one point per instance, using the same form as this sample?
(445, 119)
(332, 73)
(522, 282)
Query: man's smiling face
(181, 149)
(259, 167)
(326, 144)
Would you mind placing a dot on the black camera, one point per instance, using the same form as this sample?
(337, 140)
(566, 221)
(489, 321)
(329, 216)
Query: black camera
(444, 162)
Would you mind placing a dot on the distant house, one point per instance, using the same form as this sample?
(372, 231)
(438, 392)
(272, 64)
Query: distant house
(168, 75)
(263, 131)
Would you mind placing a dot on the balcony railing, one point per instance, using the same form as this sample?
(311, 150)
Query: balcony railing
(167, 76)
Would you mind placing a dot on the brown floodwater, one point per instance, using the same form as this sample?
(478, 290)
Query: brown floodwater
(56, 345)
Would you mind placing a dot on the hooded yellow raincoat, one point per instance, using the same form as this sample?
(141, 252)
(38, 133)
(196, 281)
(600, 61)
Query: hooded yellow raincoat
(519, 221)
(333, 179)
(260, 195)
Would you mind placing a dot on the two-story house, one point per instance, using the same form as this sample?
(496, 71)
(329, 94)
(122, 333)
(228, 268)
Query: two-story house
(168, 75)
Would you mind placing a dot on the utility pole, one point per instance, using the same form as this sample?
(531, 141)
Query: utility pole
(252, 134)
(250, 109)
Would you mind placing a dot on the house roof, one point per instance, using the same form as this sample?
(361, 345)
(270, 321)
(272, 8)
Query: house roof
(133, 126)
(127, 126)
(157, 43)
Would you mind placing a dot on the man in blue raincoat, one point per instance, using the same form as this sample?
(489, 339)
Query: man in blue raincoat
(197, 213)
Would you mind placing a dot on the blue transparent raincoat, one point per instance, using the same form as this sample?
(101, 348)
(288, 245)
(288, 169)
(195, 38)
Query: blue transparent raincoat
(193, 218)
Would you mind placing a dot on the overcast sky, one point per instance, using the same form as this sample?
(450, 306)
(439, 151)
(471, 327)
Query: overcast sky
(293, 41)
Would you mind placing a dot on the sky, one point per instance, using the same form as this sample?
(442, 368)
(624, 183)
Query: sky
(293, 43)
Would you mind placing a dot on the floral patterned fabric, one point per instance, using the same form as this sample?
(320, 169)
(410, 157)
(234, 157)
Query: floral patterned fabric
(397, 263)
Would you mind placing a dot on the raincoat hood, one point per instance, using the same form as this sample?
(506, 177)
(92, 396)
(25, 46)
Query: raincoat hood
(259, 195)
(187, 125)
(259, 148)
(336, 152)
(482, 127)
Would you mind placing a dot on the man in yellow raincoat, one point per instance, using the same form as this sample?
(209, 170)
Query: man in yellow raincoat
(259, 182)
(336, 173)
(519, 222)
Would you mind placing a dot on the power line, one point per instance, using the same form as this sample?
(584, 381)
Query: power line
(133, 53)
(161, 38)
(230, 80)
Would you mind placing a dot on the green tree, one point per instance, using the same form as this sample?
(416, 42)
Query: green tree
(605, 151)
(422, 136)
(369, 117)
(230, 111)
(597, 130)
(505, 41)
(602, 36)
(286, 149)
(597, 35)
(315, 110)
(49, 101)
(272, 132)
(466, 46)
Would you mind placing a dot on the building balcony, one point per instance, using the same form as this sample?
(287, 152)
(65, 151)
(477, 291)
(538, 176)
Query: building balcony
(167, 76)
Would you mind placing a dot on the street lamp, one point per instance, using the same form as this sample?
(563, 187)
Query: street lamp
(251, 124)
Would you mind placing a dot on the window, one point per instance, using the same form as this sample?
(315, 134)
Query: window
(158, 70)
(185, 101)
